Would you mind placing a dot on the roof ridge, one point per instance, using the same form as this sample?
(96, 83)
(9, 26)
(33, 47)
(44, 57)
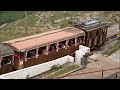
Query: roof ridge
(62, 29)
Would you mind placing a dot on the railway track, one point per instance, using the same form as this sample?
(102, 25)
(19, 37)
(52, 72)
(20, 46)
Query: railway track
(112, 37)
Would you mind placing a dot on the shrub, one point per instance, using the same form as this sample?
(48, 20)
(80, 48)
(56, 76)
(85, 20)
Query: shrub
(56, 67)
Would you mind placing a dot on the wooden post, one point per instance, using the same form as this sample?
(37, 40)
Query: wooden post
(0, 61)
(25, 55)
(84, 40)
(102, 74)
(75, 41)
(13, 59)
(57, 46)
(66, 44)
(47, 49)
(37, 49)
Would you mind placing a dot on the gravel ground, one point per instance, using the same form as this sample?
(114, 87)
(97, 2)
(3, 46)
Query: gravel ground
(115, 56)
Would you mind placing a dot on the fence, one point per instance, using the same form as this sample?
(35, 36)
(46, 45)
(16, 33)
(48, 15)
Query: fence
(101, 75)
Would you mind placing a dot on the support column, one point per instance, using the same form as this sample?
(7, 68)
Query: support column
(25, 55)
(0, 61)
(66, 44)
(13, 59)
(57, 46)
(37, 49)
(47, 49)
(75, 41)
(84, 39)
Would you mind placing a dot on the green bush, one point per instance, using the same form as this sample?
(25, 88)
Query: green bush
(113, 50)
(56, 67)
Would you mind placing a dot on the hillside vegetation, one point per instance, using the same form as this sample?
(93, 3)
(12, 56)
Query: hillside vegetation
(10, 16)
(42, 21)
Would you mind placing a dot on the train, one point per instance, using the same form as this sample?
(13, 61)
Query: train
(32, 50)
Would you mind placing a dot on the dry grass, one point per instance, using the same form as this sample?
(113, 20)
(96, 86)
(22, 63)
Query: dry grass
(44, 21)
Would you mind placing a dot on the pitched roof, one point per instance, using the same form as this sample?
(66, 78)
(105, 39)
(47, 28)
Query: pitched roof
(44, 38)
(5, 50)
(90, 25)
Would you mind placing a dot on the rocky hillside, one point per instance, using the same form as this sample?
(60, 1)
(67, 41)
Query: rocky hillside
(43, 21)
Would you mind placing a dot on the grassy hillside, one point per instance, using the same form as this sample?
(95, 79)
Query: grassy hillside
(42, 21)
(9, 16)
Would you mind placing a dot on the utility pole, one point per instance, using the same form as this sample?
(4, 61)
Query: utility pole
(26, 32)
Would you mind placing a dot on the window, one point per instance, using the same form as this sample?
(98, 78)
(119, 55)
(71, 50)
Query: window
(78, 40)
(97, 33)
(103, 30)
(6, 60)
(82, 38)
(52, 47)
(62, 44)
(31, 53)
(71, 41)
(16, 56)
(42, 50)
(21, 55)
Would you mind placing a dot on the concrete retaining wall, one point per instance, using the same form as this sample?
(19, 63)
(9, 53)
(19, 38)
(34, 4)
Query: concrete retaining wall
(37, 69)
(79, 53)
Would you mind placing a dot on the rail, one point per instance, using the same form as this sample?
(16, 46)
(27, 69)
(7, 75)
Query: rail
(111, 37)
(102, 73)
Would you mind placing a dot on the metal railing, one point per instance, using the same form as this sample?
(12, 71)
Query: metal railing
(102, 73)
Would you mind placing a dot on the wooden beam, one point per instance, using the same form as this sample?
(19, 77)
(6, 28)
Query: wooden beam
(25, 55)
(37, 49)
(13, 59)
(0, 61)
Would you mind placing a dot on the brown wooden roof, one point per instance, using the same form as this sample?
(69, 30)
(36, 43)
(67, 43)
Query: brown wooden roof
(43, 39)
